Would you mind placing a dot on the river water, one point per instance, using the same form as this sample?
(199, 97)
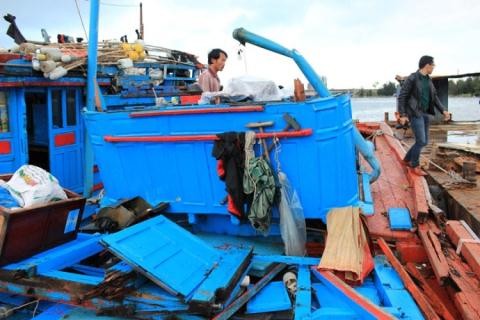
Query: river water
(462, 109)
(373, 109)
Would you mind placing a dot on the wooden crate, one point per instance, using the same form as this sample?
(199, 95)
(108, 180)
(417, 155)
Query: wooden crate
(28, 231)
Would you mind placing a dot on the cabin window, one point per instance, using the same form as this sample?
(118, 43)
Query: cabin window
(57, 117)
(71, 107)
(4, 123)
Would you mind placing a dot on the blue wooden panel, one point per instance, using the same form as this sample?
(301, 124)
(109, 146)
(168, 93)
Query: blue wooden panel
(328, 299)
(222, 280)
(263, 302)
(329, 313)
(399, 219)
(165, 253)
(303, 301)
(392, 292)
(56, 311)
(60, 257)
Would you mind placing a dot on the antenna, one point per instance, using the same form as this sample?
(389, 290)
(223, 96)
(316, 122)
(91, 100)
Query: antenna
(142, 34)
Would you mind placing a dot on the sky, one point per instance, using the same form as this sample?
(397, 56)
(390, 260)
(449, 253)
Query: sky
(354, 44)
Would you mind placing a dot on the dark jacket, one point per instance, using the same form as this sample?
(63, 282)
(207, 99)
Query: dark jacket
(409, 98)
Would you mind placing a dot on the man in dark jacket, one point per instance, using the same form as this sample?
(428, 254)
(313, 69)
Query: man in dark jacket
(416, 102)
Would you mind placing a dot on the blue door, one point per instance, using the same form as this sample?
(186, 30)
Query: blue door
(65, 137)
(166, 253)
(12, 130)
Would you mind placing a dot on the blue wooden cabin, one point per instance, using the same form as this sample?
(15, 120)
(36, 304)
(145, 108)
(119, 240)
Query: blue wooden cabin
(41, 119)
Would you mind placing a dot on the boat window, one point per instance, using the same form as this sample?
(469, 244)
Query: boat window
(71, 107)
(4, 124)
(57, 118)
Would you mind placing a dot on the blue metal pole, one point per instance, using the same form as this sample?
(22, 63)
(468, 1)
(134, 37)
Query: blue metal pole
(92, 54)
(367, 150)
(91, 84)
(245, 36)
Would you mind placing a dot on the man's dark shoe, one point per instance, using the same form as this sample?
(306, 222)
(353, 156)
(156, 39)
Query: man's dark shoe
(419, 172)
(407, 163)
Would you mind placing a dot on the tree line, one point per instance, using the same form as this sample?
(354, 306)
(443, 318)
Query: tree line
(468, 87)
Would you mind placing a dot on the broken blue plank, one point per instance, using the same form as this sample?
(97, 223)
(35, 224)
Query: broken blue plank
(363, 307)
(57, 311)
(165, 253)
(147, 299)
(327, 299)
(307, 261)
(367, 204)
(60, 257)
(329, 313)
(122, 267)
(219, 284)
(236, 290)
(151, 297)
(303, 297)
(399, 219)
(272, 298)
(261, 263)
(231, 309)
(391, 290)
(73, 277)
(88, 270)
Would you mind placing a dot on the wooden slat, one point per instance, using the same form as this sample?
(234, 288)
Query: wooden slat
(422, 302)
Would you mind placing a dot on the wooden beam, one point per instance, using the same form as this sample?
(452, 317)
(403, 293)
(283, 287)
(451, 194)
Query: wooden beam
(422, 302)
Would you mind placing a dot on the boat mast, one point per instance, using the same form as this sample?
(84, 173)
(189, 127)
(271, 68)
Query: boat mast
(91, 85)
(142, 35)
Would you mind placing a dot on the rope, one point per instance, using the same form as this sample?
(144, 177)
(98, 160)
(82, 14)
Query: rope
(249, 153)
(278, 149)
(81, 20)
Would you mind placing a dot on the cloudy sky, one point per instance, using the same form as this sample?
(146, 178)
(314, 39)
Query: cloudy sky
(353, 43)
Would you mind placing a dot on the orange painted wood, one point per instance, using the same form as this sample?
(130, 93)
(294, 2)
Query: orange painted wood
(411, 251)
(456, 231)
(355, 297)
(5, 147)
(391, 190)
(429, 293)
(64, 139)
(434, 253)
(419, 297)
(471, 253)
(467, 296)
(206, 137)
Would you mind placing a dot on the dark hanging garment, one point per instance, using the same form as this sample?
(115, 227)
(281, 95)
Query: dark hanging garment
(13, 30)
(229, 151)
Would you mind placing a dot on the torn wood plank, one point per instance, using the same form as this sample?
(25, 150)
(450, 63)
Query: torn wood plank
(221, 281)
(435, 254)
(422, 302)
(230, 310)
(430, 294)
(362, 306)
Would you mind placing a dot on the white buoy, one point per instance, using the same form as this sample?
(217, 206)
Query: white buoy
(125, 63)
(58, 73)
(66, 58)
(54, 54)
(47, 66)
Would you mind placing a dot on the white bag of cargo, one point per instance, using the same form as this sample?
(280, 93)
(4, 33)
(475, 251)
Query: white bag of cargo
(31, 185)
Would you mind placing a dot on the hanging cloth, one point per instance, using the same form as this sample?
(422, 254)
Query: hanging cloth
(229, 152)
(260, 182)
(347, 251)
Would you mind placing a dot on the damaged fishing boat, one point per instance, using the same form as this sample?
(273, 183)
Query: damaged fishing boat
(376, 246)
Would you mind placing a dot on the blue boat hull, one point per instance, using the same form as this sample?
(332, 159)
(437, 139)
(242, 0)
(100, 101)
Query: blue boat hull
(321, 166)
